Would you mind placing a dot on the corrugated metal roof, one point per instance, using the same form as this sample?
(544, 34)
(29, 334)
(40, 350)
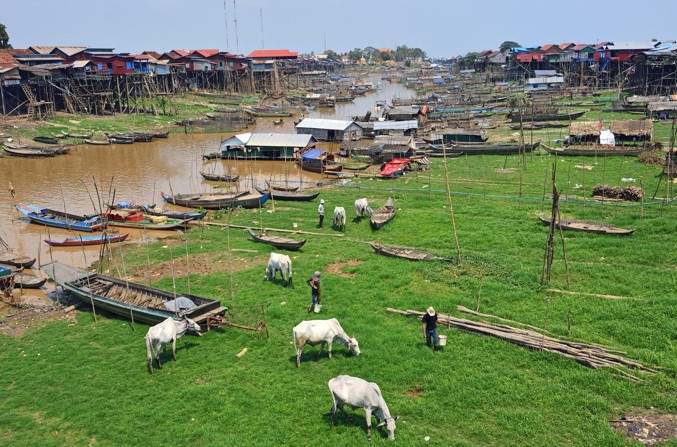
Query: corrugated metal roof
(272, 53)
(324, 124)
(42, 49)
(631, 45)
(7, 58)
(280, 140)
(69, 51)
(396, 125)
(80, 64)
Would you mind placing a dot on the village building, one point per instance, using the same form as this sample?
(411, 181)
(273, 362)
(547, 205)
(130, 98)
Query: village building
(329, 130)
(265, 146)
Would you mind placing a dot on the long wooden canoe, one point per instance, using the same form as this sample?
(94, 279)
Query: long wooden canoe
(213, 201)
(13, 259)
(406, 253)
(59, 219)
(595, 150)
(281, 188)
(277, 241)
(96, 239)
(129, 299)
(291, 196)
(590, 227)
(219, 177)
(26, 280)
(383, 214)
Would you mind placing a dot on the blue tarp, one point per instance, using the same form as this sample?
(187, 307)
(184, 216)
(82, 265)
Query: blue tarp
(313, 154)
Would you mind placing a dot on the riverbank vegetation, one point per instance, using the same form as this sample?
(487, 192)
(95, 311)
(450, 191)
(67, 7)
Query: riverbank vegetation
(87, 383)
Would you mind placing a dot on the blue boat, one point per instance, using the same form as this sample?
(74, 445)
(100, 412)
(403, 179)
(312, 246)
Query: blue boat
(60, 219)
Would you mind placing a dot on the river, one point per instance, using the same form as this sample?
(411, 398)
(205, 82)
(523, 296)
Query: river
(139, 172)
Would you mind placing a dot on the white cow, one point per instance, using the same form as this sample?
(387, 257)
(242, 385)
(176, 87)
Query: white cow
(339, 218)
(162, 333)
(282, 263)
(358, 393)
(321, 332)
(362, 207)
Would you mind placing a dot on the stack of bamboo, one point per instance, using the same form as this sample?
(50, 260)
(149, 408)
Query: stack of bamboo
(591, 355)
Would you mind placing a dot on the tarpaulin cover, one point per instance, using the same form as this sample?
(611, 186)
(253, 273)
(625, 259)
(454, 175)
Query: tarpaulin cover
(394, 166)
(313, 154)
(180, 303)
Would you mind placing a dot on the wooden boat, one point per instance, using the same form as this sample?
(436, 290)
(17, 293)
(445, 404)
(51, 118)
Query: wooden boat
(406, 253)
(281, 188)
(188, 215)
(282, 243)
(26, 280)
(46, 140)
(515, 117)
(129, 299)
(289, 196)
(219, 177)
(538, 125)
(15, 260)
(135, 219)
(60, 219)
(136, 137)
(321, 167)
(595, 150)
(266, 112)
(120, 140)
(383, 214)
(448, 154)
(28, 152)
(212, 201)
(82, 136)
(6, 277)
(590, 227)
(161, 134)
(98, 142)
(211, 156)
(348, 167)
(493, 149)
(96, 239)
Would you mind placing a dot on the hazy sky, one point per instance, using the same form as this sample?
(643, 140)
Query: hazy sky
(441, 28)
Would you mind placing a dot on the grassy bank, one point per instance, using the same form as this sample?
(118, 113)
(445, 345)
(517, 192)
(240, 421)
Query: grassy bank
(87, 384)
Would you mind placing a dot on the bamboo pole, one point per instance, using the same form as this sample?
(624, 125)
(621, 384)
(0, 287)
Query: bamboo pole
(216, 224)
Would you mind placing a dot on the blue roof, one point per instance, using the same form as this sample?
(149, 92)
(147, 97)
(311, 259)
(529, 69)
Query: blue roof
(313, 154)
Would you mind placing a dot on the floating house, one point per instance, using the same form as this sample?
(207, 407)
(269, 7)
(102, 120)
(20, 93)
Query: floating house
(329, 130)
(265, 146)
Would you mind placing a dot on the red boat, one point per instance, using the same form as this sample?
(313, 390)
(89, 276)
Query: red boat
(97, 239)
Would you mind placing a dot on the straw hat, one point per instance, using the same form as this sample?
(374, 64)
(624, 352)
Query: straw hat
(317, 274)
(321, 200)
(431, 311)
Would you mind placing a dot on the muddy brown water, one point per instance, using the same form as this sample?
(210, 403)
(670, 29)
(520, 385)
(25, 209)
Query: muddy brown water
(139, 172)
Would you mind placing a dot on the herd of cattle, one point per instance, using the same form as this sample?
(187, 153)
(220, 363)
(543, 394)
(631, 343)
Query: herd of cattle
(345, 390)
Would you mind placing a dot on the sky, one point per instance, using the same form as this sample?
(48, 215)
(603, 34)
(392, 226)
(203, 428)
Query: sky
(441, 28)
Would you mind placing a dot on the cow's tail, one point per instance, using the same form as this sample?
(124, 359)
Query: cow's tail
(291, 280)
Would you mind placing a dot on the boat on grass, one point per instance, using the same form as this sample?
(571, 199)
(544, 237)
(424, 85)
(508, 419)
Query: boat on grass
(281, 188)
(595, 150)
(172, 214)
(131, 300)
(81, 136)
(60, 219)
(98, 142)
(216, 201)
(280, 242)
(289, 196)
(135, 219)
(492, 149)
(587, 226)
(383, 214)
(94, 239)
(46, 140)
(406, 253)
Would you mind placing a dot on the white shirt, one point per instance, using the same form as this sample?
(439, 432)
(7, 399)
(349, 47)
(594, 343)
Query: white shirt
(320, 209)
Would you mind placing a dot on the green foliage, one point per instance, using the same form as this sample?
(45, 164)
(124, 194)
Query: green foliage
(508, 44)
(4, 38)
(355, 54)
(87, 383)
(403, 53)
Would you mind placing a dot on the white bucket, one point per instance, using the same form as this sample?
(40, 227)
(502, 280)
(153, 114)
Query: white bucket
(318, 308)
(441, 340)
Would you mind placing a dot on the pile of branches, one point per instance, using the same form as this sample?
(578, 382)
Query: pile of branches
(593, 356)
(630, 193)
(652, 158)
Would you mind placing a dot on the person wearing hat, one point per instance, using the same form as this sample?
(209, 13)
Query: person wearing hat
(320, 211)
(314, 284)
(429, 322)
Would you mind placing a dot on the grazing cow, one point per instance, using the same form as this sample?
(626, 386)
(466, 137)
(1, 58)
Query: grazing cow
(321, 332)
(282, 263)
(339, 218)
(358, 393)
(162, 333)
(362, 207)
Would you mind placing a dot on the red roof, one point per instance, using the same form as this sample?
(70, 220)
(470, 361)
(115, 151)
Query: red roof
(580, 46)
(272, 54)
(550, 48)
(6, 55)
(180, 52)
(204, 53)
(565, 45)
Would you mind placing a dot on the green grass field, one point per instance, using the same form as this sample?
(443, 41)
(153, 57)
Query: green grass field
(88, 384)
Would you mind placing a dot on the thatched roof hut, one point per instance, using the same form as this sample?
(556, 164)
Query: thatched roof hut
(632, 128)
(584, 128)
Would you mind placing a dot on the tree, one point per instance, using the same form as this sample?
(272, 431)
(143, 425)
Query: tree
(507, 45)
(331, 55)
(4, 38)
(355, 55)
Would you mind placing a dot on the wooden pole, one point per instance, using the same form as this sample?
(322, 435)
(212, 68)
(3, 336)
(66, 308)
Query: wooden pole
(451, 208)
